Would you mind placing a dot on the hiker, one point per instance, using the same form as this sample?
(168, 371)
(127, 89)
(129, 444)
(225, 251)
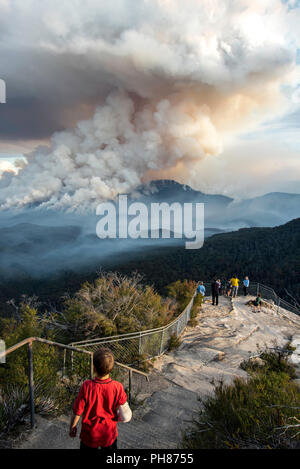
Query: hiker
(102, 402)
(223, 286)
(215, 289)
(257, 303)
(228, 288)
(246, 284)
(201, 289)
(235, 286)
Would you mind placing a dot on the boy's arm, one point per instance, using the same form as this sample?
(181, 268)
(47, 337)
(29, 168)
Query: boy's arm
(78, 409)
(73, 425)
(124, 413)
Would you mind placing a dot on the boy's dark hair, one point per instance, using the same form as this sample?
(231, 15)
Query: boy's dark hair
(103, 360)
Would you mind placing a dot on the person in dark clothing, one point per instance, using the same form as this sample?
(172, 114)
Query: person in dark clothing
(257, 303)
(228, 288)
(215, 290)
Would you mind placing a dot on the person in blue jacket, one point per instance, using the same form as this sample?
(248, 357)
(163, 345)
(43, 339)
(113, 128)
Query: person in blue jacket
(201, 289)
(246, 284)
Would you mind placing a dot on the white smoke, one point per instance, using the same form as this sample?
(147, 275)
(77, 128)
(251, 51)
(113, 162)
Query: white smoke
(7, 167)
(180, 81)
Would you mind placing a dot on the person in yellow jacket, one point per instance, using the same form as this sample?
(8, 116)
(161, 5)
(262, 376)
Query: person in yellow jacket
(235, 286)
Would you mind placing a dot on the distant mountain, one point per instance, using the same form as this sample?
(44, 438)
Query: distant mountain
(164, 190)
(39, 243)
(225, 213)
(171, 191)
(268, 210)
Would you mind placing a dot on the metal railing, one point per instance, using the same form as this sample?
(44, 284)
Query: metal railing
(29, 342)
(138, 346)
(267, 293)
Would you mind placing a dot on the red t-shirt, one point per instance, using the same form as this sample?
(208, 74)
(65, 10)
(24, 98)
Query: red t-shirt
(97, 402)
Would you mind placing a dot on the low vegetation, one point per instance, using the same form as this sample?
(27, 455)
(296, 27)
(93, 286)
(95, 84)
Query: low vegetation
(181, 292)
(174, 342)
(198, 301)
(260, 412)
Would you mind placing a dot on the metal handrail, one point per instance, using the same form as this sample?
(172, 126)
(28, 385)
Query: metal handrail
(137, 334)
(29, 341)
(38, 339)
(134, 334)
(277, 298)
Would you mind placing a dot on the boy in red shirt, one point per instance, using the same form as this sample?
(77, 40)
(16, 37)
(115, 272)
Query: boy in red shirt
(101, 402)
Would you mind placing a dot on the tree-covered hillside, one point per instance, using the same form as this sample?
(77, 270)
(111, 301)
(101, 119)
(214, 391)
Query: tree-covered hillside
(267, 255)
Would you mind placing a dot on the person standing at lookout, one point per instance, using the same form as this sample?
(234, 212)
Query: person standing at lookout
(235, 286)
(215, 290)
(246, 284)
(201, 289)
(228, 288)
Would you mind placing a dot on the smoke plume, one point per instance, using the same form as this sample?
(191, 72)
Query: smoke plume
(172, 84)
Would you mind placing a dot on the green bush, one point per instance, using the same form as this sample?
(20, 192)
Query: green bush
(114, 304)
(182, 292)
(174, 342)
(276, 361)
(250, 413)
(198, 301)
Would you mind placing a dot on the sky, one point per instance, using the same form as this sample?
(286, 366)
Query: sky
(102, 96)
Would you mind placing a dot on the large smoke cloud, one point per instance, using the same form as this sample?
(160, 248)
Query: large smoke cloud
(173, 83)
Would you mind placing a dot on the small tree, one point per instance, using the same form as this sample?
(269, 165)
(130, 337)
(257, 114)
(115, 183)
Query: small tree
(112, 304)
(182, 292)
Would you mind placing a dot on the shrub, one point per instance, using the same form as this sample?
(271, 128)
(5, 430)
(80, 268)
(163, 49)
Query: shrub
(182, 292)
(198, 300)
(113, 304)
(250, 413)
(276, 360)
(143, 363)
(174, 342)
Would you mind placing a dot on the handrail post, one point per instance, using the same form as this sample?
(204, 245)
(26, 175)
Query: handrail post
(161, 342)
(140, 344)
(31, 383)
(129, 386)
(64, 364)
(177, 329)
(91, 366)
